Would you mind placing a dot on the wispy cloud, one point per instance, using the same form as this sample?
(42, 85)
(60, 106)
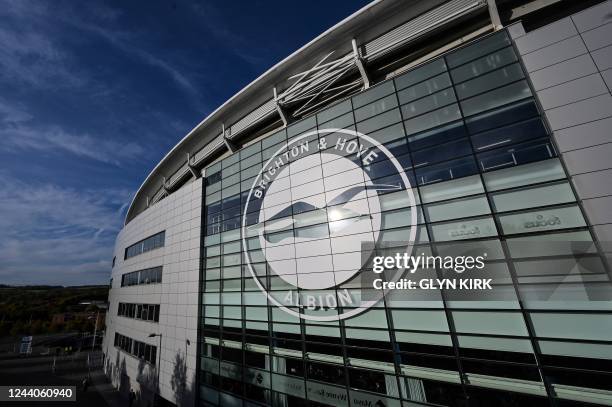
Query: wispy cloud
(20, 133)
(54, 139)
(223, 31)
(40, 58)
(54, 233)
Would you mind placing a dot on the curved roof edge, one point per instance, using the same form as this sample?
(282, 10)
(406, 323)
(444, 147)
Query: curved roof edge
(359, 26)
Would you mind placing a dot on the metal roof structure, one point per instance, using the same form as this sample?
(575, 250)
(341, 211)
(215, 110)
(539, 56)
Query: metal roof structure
(335, 64)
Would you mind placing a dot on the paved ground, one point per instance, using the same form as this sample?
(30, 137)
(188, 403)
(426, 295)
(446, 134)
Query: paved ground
(69, 371)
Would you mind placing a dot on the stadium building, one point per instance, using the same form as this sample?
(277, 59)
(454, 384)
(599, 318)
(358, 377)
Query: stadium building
(431, 127)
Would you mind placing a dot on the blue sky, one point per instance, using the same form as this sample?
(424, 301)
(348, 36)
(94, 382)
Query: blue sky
(94, 93)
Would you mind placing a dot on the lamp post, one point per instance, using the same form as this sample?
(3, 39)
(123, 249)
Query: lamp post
(159, 358)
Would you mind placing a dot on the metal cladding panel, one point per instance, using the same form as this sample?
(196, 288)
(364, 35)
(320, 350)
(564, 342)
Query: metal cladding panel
(554, 54)
(565, 61)
(209, 148)
(253, 117)
(573, 91)
(594, 184)
(603, 58)
(593, 17)
(422, 24)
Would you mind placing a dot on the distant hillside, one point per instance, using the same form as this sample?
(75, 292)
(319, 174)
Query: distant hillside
(29, 309)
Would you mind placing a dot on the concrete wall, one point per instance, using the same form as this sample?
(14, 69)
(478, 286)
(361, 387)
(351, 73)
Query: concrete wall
(570, 65)
(180, 216)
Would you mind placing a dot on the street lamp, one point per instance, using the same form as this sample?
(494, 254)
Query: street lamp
(159, 358)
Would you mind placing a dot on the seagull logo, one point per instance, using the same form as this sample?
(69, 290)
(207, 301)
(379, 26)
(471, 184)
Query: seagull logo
(318, 210)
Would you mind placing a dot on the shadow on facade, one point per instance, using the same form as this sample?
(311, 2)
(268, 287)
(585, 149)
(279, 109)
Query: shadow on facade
(184, 394)
(149, 384)
(122, 377)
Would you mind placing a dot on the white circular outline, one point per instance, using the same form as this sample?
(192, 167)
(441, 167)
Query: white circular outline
(413, 226)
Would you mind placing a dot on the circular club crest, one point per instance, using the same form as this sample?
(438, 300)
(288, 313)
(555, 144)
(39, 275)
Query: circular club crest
(313, 216)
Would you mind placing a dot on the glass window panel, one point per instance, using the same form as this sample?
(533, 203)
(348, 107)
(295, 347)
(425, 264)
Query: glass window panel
(509, 114)
(421, 73)
(380, 121)
(428, 103)
(380, 106)
(492, 323)
(532, 173)
(551, 244)
(341, 122)
(501, 344)
(250, 172)
(373, 94)
(211, 189)
(310, 218)
(230, 235)
(507, 94)
(448, 170)
(542, 220)
(420, 320)
(231, 312)
(583, 326)
(368, 334)
(213, 251)
(460, 208)
(213, 262)
(334, 111)
(331, 331)
(541, 195)
(466, 229)
(274, 140)
(451, 189)
(395, 200)
(539, 270)
(396, 218)
(572, 349)
(212, 274)
(437, 136)
(483, 65)
(428, 339)
(214, 168)
(231, 160)
(512, 134)
(492, 247)
(386, 167)
(478, 48)
(495, 79)
(231, 192)
(428, 87)
(232, 272)
(231, 247)
(432, 119)
(231, 170)
(442, 152)
(537, 150)
(250, 161)
(213, 198)
(250, 150)
(372, 318)
(388, 134)
(231, 180)
(301, 126)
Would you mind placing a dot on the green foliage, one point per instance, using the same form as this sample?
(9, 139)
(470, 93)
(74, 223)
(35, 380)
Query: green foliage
(29, 310)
